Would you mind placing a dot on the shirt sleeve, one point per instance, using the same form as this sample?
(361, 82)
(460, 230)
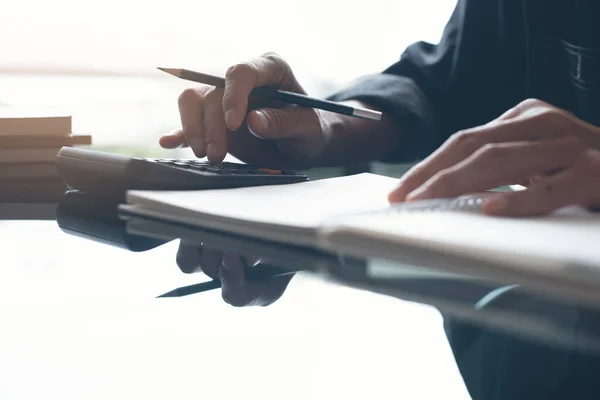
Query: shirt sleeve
(465, 80)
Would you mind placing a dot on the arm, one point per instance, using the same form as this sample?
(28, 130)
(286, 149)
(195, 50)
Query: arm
(473, 75)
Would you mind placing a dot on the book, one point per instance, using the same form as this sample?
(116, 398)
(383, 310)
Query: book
(42, 141)
(31, 170)
(19, 121)
(27, 155)
(32, 190)
(351, 215)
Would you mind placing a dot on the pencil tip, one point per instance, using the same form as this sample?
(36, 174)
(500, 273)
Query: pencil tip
(172, 71)
(168, 294)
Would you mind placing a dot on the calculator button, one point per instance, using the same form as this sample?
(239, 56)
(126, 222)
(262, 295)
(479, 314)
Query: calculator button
(181, 164)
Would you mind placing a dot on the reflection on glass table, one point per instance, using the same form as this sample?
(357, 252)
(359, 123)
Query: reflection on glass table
(495, 330)
(256, 272)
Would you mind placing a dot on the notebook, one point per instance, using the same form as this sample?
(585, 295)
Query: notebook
(351, 215)
(290, 213)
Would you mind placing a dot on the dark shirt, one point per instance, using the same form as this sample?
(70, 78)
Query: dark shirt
(493, 55)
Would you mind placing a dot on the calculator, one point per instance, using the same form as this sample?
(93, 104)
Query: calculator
(106, 174)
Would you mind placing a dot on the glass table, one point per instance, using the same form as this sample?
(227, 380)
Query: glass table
(81, 319)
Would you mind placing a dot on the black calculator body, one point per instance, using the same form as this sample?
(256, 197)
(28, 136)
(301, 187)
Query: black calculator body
(108, 174)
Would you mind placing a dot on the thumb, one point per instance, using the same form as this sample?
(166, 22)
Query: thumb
(232, 272)
(281, 123)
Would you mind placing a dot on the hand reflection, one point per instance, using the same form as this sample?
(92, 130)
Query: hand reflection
(229, 268)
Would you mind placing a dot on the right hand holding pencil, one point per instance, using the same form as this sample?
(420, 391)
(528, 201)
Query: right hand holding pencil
(257, 131)
(229, 267)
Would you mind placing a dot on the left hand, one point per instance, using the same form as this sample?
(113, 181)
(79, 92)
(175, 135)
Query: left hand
(553, 153)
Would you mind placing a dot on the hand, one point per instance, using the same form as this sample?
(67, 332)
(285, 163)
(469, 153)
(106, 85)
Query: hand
(553, 153)
(216, 121)
(229, 268)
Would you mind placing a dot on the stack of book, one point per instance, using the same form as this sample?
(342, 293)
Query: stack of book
(30, 187)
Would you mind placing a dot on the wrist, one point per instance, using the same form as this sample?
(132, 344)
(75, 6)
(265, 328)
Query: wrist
(350, 140)
(309, 151)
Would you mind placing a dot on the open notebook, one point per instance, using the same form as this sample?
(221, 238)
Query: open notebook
(284, 213)
(351, 215)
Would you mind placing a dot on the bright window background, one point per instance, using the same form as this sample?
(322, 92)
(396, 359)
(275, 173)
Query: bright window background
(98, 59)
(88, 327)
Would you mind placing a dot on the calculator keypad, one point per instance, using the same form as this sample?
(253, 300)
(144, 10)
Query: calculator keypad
(225, 168)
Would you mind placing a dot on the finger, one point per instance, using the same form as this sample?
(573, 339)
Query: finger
(173, 140)
(573, 186)
(239, 292)
(242, 78)
(498, 165)
(210, 262)
(271, 123)
(232, 280)
(189, 258)
(464, 143)
(543, 197)
(191, 113)
(215, 131)
(193, 258)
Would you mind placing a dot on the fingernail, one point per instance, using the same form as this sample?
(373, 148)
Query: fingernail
(397, 193)
(231, 272)
(197, 146)
(262, 121)
(417, 195)
(211, 151)
(230, 119)
(227, 264)
(495, 205)
(394, 196)
(258, 121)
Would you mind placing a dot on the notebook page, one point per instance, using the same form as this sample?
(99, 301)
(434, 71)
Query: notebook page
(302, 205)
(571, 235)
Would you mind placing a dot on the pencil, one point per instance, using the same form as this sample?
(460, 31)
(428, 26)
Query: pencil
(192, 289)
(281, 95)
(264, 272)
